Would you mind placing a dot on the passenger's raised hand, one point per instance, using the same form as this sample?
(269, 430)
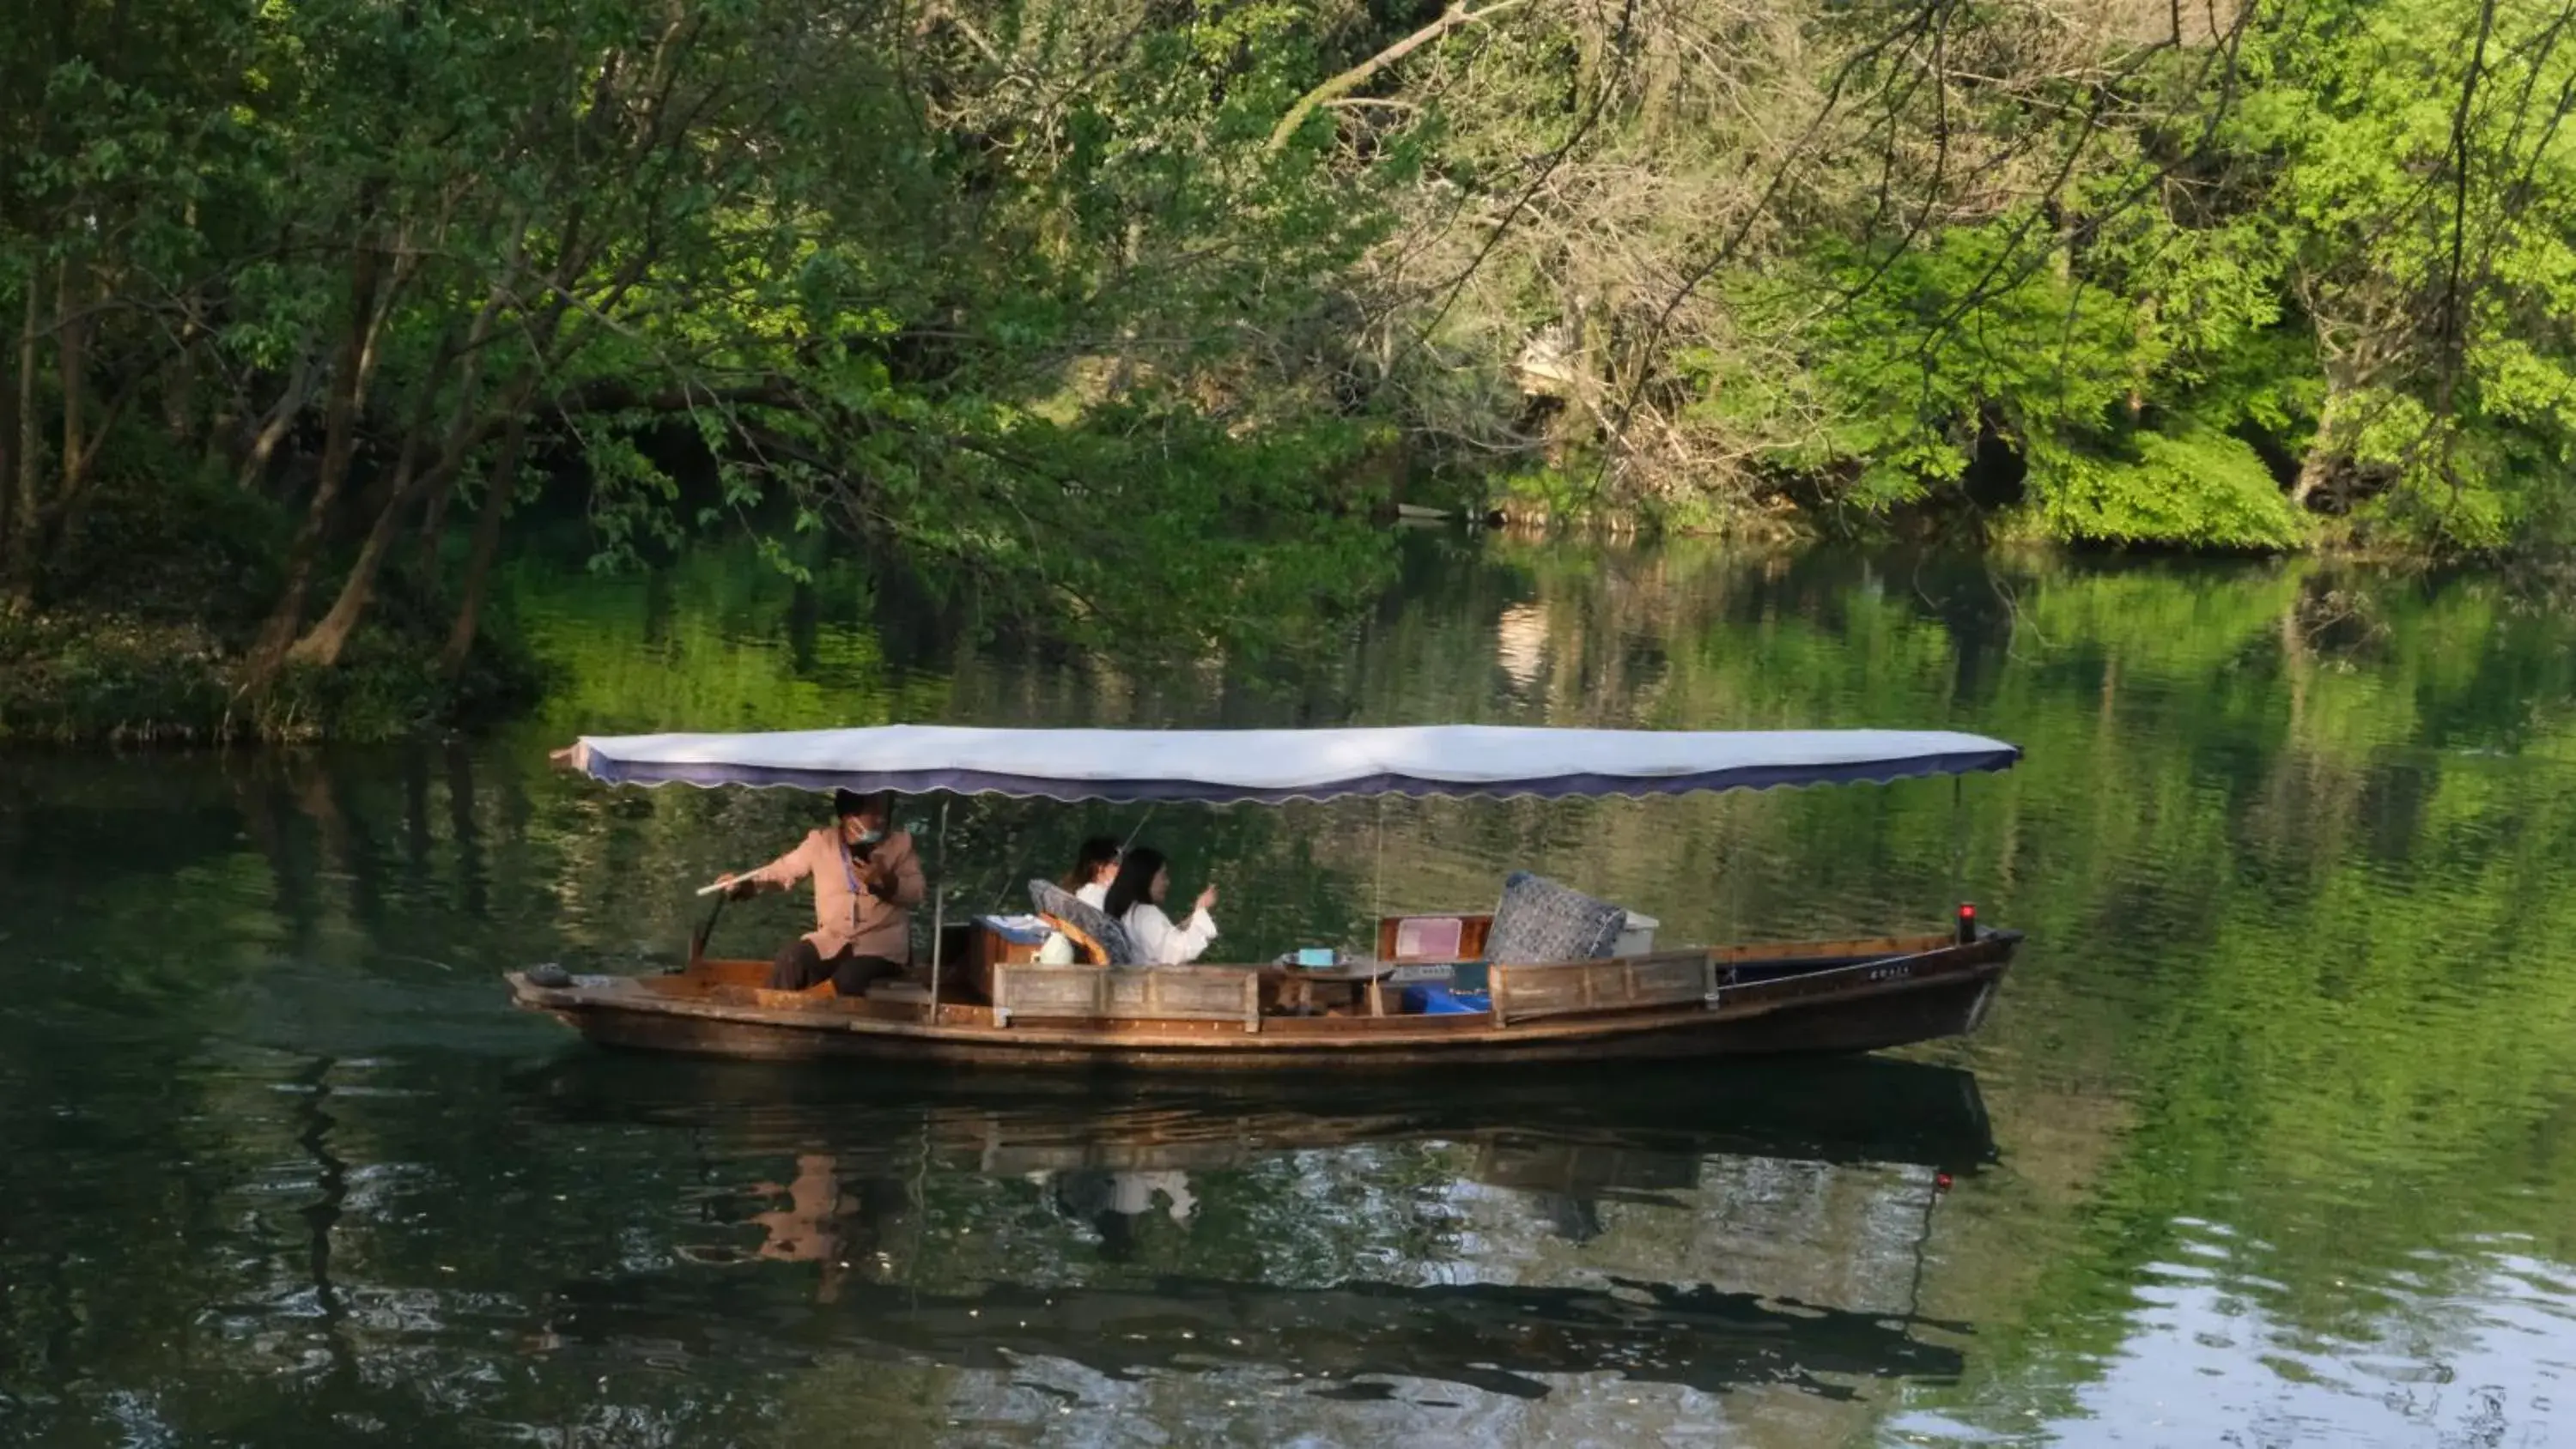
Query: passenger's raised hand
(1207, 899)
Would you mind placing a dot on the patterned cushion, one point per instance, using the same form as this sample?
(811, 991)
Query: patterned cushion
(1540, 921)
(1054, 900)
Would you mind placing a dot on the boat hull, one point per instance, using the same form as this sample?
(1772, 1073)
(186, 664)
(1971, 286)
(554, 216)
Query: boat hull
(1890, 999)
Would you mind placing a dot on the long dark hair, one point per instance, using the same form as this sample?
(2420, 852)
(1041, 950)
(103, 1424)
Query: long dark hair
(1136, 872)
(1096, 852)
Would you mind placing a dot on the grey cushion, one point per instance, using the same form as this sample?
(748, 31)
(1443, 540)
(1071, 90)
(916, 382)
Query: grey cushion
(1054, 900)
(1539, 921)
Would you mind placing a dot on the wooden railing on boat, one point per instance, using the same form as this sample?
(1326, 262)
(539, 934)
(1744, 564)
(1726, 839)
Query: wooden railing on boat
(1155, 993)
(1624, 983)
(1761, 975)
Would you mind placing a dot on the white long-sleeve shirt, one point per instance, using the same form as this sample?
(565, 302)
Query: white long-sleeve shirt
(1160, 943)
(1058, 950)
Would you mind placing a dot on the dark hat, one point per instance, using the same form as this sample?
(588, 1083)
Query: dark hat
(850, 802)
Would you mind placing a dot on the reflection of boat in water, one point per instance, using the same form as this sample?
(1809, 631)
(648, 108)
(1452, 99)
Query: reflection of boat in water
(1116, 1224)
(1602, 1123)
(1560, 977)
(1495, 1337)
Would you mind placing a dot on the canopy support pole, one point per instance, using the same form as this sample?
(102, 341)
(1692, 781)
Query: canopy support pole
(1958, 839)
(1379, 873)
(938, 914)
(1734, 867)
(706, 931)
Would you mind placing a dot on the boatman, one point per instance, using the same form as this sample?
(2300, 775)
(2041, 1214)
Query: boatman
(866, 882)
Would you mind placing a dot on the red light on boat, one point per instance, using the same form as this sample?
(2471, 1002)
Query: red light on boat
(1941, 1181)
(1967, 922)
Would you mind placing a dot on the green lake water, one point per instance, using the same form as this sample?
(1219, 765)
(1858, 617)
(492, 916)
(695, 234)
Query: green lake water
(2269, 1140)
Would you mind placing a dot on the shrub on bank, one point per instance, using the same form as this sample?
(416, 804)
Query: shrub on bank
(77, 674)
(145, 613)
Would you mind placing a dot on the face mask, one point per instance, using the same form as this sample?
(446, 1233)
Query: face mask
(870, 837)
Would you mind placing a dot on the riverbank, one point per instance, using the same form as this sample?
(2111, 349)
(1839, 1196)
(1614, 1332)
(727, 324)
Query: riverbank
(141, 625)
(145, 630)
(88, 674)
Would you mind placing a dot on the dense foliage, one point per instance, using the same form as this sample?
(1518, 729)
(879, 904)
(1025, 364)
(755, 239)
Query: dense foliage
(1092, 311)
(2245, 276)
(1012, 314)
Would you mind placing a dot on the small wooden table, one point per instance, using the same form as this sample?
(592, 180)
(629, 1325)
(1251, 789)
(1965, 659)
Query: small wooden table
(1297, 983)
(982, 944)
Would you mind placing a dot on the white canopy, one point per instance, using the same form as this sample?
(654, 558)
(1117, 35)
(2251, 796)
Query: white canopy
(1273, 765)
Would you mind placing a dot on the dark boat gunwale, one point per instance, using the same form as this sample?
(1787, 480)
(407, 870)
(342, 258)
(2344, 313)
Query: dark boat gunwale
(1851, 1002)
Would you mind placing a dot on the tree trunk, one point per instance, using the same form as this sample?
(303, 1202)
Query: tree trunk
(339, 444)
(84, 436)
(433, 524)
(487, 543)
(22, 539)
(73, 342)
(466, 430)
(2318, 463)
(391, 489)
(325, 641)
(322, 645)
(179, 395)
(1456, 15)
(434, 515)
(8, 453)
(273, 427)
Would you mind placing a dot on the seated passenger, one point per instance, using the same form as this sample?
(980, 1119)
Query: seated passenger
(1136, 901)
(866, 882)
(1094, 867)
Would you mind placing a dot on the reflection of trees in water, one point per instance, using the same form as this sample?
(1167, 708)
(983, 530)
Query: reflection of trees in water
(563, 1242)
(1498, 1338)
(1175, 1238)
(720, 640)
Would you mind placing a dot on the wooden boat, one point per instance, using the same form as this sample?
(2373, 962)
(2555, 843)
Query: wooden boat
(988, 1003)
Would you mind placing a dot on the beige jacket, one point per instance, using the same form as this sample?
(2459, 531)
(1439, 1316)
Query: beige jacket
(869, 925)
